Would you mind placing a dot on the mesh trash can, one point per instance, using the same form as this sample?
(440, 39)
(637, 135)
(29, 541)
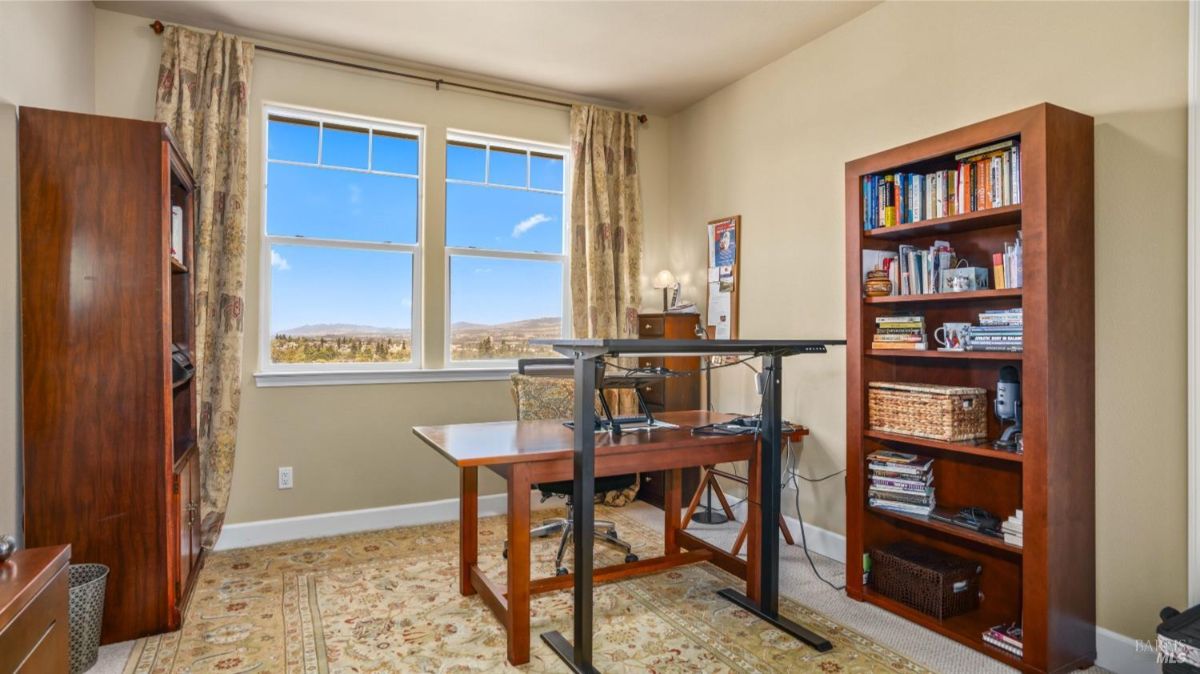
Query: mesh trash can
(86, 582)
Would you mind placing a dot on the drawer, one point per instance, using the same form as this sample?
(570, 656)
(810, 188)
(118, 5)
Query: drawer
(37, 640)
(651, 326)
(655, 394)
(647, 363)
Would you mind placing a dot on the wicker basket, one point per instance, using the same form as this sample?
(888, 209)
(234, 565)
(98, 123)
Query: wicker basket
(949, 413)
(932, 582)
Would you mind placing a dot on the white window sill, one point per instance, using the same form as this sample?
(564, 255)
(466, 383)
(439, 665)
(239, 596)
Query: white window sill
(350, 377)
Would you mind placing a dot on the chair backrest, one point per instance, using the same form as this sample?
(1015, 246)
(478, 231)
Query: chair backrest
(543, 388)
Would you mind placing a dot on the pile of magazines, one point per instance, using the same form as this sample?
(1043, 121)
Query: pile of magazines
(901, 482)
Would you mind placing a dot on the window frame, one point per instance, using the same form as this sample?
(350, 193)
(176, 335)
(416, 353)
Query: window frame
(564, 258)
(285, 374)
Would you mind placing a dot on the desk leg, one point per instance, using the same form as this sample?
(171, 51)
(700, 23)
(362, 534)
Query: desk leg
(762, 597)
(672, 500)
(468, 527)
(752, 529)
(518, 564)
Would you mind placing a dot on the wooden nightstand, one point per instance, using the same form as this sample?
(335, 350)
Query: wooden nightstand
(34, 628)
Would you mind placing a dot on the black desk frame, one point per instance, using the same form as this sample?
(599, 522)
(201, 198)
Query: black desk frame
(587, 355)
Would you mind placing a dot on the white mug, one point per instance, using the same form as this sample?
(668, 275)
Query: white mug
(950, 336)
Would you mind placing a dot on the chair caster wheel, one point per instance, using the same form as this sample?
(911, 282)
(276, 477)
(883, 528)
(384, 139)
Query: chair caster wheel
(630, 558)
(561, 571)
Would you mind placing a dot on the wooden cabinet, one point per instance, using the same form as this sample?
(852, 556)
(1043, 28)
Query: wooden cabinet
(103, 300)
(34, 627)
(676, 393)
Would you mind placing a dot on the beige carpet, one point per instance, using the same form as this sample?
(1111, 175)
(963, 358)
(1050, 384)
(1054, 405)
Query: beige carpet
(387, 602)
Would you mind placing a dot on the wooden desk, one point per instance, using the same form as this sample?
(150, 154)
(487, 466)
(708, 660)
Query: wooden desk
(34, 630)
(526, 453)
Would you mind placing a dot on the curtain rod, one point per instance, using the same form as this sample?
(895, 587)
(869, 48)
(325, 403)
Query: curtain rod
(437, 82)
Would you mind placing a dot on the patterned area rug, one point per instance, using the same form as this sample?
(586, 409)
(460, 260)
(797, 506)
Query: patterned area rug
(387, 601)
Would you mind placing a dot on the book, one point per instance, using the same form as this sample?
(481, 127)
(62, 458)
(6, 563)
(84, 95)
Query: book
(980, 178)
(908, 509)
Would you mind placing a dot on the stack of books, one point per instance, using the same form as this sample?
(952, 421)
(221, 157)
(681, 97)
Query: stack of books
(921, 269)
(1014, 529)
(1006, 636)
(1007, 268)
(900, 332)
(901, 482)
(998, 330)
(986, 177)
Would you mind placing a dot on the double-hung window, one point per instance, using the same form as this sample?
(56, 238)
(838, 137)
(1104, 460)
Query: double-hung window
(341, 249)
(506, 215)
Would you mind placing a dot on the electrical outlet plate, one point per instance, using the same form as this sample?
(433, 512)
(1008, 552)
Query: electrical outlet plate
(285, 477)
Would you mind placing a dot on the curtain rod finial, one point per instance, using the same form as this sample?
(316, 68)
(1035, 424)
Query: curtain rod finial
(158, 27)
(642, 118)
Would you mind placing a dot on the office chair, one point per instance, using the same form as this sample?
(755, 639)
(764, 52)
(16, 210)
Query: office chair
(544, 388)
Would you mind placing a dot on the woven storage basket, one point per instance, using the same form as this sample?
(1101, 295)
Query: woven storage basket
(933, 582)
(949, 413)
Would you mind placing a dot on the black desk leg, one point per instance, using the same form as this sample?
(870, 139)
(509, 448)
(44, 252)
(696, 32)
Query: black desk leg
(771, 467)
(579, 658)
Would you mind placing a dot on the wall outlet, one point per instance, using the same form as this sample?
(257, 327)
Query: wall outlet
(285, 477)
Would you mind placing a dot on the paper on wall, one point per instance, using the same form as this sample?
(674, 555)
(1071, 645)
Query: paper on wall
(719, 309)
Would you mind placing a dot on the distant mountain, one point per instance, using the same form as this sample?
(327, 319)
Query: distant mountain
(550, 324)
(345, 330)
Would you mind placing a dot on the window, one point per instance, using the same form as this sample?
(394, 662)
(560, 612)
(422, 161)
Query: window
(505, 232)
(341, 264)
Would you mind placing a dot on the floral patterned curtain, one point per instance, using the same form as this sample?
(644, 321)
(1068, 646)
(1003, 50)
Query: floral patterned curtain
(606, 235)
(202, 94)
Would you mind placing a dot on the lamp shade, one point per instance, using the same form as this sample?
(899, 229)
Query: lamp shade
(664, 279)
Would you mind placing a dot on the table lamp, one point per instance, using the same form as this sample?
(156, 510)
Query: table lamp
(665, 280)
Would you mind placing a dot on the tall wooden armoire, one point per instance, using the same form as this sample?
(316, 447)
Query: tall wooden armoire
(110, 459)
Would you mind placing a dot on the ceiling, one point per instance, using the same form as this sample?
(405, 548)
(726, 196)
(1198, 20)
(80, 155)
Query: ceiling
(657, 57)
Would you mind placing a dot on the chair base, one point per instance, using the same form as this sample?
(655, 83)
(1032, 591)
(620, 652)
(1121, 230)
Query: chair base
(604, 531)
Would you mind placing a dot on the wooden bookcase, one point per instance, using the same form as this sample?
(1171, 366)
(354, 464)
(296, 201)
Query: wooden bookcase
(1049, 583)
(110, 459)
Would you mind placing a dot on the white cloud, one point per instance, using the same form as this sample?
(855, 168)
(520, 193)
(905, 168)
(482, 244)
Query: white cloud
(279, 262)
(529, 223)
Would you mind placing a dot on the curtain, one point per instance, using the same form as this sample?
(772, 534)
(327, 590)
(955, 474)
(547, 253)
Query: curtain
(606, 234)
(203, 87)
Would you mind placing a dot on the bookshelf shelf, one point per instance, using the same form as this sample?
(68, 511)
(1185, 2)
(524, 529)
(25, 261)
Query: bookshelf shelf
(952, 355)
(946, 297)
(1053, 482)
(948, 530)
(966, 222)
(959, 447)
(965, 629)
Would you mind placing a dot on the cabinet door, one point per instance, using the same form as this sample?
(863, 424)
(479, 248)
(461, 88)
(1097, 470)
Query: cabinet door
(194, 477)
(185, 528)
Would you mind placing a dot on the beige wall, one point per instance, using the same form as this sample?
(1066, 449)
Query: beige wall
(352, 446)
(773, 145)
(45, 61)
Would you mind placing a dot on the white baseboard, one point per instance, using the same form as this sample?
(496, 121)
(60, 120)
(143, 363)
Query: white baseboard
(1121, 654)
(821, 541)
(263, 532)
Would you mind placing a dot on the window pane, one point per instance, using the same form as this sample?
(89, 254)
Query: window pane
(292, 140)
(546, 172)
(339, 305)
(465, 162)
(503, 219)
(333, 204)
(344, 146)
(394, 152)
(507, 167)
(497, 305)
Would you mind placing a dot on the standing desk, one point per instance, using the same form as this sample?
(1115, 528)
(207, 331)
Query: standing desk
(588, 356)
(527, 452)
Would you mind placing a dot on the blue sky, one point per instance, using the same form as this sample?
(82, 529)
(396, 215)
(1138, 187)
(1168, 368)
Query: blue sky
(312, 285)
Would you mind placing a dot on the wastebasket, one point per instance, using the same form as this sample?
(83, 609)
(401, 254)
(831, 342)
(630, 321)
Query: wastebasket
(86, 583)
